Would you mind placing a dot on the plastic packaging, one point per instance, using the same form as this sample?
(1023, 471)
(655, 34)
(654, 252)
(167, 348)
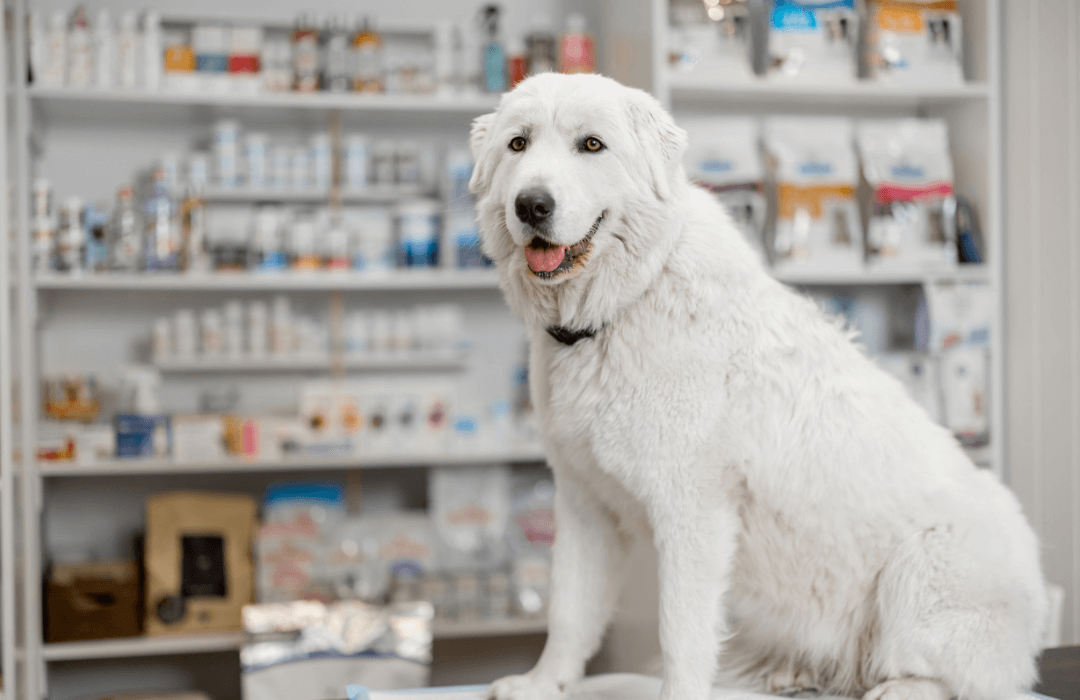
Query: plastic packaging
(915, 42)
(712, 43)
(724, 157)
(911, 213)
(815, 176)
(813, 40)
(470, 509)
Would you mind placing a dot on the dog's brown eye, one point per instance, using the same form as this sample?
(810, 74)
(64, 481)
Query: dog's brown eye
(593, 144)
(518, 144)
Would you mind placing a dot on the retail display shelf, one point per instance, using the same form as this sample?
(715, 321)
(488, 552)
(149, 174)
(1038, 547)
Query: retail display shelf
(232, 641)
(246, 195)
(964, 273)
(418, 279)
(691, 88)
(407, 360)
(351, 102)
(385, 459)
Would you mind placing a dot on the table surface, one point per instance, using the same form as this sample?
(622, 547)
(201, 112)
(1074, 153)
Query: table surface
(1059, 670)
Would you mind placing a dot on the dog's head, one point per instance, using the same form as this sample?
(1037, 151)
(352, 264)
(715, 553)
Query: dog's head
(571, 175)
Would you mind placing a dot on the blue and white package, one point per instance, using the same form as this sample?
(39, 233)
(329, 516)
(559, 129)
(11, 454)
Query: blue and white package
(142, 436)
(813, 40)
(418, 233)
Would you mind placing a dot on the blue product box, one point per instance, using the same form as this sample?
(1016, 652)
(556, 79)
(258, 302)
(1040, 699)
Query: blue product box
(142, 436)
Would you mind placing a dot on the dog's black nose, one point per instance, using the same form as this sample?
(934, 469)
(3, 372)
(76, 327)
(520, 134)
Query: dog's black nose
(534, 206)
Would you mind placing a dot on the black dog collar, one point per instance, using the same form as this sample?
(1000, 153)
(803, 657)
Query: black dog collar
(569, 337)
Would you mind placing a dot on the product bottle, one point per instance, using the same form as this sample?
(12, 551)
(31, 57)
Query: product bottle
(80, 49)
(44, 228)
(104, 51)
(368, 60)
(96, 237)
(519, 63)
(195, 249)
(471, 58)
(127, 51)
(153, 48)
(305, 49)
(446, 67)
(125, 237)
(162, 239)
(35, 33)
(55, 63)
(71, 241)
(540, 45)
(576, 50)
(336, 74)
(494, 58)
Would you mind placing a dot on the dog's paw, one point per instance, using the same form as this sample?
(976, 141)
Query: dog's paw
(525, 687)
(909, 689)
(791, 681)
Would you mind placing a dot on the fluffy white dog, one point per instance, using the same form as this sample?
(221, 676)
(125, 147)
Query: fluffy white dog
(815, 528)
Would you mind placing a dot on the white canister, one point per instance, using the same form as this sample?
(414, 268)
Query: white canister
(185, 336)
(374, 249)
(357, 155)
(227, 152)
(418, 232)
(257, 160)
(258, 337)
(211, 332)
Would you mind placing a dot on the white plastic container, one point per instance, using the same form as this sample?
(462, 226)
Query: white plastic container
(374, 250)
(161, 345)
(258, 329)
(322, 161)
(104, 51)
(357, 155)
(127, 51)
(418, 232)
(185, 334)
(281, 327)
(210, 327)
(257, 160)
(153, 51)
(233, 332)
(54, 67)
(227, 152)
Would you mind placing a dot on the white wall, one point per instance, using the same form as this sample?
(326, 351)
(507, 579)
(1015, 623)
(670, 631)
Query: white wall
(1042, 241)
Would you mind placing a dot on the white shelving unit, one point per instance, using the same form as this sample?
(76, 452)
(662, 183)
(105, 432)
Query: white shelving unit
(400, 361)
(417, 280)
(972, 112)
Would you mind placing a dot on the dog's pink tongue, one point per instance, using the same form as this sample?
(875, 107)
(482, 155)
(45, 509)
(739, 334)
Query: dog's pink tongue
(545, 260)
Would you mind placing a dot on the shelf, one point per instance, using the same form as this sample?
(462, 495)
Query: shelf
(412, 360)
(120, 104)
(143, 646)
(811, 278)
(690, 88)
(232, 641)
(373, 195)
(432, 458)
(420, 279)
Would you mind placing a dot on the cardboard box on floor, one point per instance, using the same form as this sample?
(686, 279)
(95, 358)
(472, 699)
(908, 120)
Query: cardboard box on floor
(199, 571)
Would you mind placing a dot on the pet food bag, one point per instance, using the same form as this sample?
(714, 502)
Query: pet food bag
(813, 40)
(914, 42)
(911, 219)
(305, 650)
(813, 170)
(470, 509)
(711, 44)
(198, 561)
(725, 157)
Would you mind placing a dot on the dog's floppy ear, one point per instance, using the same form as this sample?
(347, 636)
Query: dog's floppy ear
(481, 162)
(662, 142)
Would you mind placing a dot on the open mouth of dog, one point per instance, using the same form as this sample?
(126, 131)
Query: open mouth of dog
(549, 260)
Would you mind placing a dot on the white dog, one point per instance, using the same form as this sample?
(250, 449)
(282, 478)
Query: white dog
(815, 528)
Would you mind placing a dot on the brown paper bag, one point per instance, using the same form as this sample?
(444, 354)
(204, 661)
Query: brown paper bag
(199, 572)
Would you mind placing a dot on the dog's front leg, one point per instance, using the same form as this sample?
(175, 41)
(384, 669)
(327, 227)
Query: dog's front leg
(586, 573)
(696, 544)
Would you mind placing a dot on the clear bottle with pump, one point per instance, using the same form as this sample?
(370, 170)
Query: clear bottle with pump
(494, 56)
(162, 238)
(125, 235)
(369, 60)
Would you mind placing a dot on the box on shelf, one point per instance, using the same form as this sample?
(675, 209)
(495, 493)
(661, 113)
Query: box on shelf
(198, 561)
(97, 600)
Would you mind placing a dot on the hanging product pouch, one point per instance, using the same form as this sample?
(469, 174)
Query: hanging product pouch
(711, 47)
(914, 42)
(813, 170)
(198, 561)
(911, 221)
(813, 40)
(725, 158)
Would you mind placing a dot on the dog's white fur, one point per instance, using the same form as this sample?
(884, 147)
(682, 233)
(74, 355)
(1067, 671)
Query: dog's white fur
(815, 528)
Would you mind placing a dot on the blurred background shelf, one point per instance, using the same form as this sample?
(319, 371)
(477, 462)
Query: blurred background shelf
(964, 273)
(695, 88)
(407, 360)
(246, 195)
(232, 641)
(416, 280)
(432, 458)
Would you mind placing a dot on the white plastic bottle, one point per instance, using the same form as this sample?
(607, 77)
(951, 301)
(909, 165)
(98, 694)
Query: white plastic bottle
(55, 60)
(152, 51)
(80, 51)
(127, 51)
(104, 51)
